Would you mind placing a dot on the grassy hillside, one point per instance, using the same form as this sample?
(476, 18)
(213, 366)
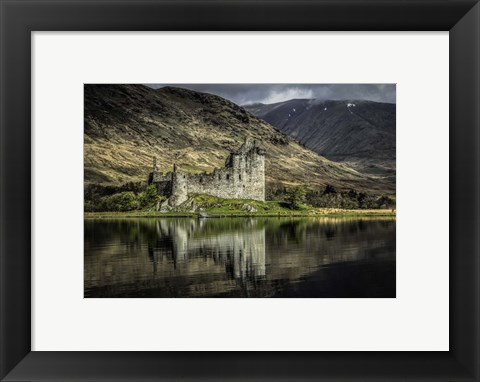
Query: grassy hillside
(127, 125)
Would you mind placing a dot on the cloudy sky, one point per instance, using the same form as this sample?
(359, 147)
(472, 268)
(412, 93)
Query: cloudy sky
(243, 94)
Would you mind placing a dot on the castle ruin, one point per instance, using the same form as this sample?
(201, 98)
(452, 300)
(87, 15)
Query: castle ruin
(242, 177)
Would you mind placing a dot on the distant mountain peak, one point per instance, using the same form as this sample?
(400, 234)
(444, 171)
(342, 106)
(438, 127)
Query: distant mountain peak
(358, 132)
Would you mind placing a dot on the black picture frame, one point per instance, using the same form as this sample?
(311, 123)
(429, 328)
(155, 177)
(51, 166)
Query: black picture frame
(18, 18)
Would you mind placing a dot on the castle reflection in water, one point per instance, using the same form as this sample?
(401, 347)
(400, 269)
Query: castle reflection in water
(239, 257)
(241, 253)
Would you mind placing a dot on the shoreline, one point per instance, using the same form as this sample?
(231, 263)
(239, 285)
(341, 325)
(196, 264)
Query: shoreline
(321, 212)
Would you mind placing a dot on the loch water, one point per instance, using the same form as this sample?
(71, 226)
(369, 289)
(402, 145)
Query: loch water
(240, 257)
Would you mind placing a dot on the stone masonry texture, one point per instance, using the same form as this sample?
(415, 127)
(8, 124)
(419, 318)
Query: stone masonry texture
(242, 177)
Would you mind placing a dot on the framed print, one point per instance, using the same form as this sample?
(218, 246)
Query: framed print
(199, 239)
(215, 185)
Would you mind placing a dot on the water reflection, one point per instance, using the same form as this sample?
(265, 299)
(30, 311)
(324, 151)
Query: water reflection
(241, 251)
(240, 257)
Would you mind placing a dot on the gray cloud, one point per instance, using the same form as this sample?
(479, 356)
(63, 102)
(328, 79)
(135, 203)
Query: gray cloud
(243, 94)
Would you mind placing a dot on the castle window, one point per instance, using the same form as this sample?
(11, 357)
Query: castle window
(219, 177)
(184, 176)
(228, 176)
(239, 177)
(201, 180)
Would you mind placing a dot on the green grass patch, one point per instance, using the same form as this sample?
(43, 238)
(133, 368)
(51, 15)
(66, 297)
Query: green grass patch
(218, 207)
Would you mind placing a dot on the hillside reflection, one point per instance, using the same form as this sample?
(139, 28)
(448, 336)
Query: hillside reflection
(240, 257)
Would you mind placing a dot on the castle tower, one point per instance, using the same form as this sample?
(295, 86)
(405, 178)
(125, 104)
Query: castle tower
(255, 171)
(248, 166)
(179, 187)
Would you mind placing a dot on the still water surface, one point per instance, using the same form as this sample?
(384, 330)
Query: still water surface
(240, 257)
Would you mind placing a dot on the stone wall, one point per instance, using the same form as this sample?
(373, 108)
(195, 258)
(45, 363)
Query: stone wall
(243, 177)
(162, 182)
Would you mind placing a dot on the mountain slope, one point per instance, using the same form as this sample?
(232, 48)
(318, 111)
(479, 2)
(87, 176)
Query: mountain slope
(127, 125)
(361, 133)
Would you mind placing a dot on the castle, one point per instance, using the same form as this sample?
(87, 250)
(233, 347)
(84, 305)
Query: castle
(242, 177)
